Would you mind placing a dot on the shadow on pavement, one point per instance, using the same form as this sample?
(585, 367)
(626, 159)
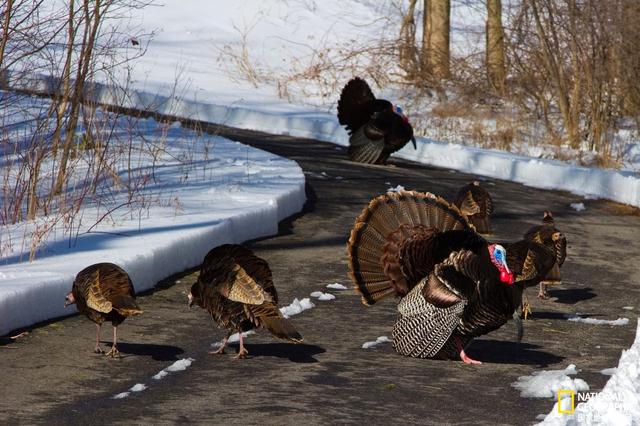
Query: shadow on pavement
(572, 296)
(156, 352)
(301, 353)
(504, 352)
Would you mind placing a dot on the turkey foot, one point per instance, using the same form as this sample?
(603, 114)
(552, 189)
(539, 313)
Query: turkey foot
(98, 350)
(463, 356)
(113, 353)
(242, 352)
(220, 350)
(542, 294)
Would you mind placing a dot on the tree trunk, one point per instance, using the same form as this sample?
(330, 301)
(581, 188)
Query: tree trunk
(407, 42)
(436, 37)
(496, 71)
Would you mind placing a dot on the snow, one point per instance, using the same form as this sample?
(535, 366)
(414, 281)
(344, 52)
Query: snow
(322, 296)
(596, 321)
(374, 343)
(206, 191)
(179, 365)
(619, 401)
(135, 388)
(396, 189)
(608, 371)
(577, 206)
(296, 307)
(337, 286)
(628, 308)
(547, 383)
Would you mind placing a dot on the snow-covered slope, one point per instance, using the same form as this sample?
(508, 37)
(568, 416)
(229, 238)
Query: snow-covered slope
(206, 191)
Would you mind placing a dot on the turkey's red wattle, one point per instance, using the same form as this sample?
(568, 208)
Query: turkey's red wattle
(506, 277)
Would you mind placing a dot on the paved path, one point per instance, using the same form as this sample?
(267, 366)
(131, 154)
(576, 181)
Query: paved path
(51, 376)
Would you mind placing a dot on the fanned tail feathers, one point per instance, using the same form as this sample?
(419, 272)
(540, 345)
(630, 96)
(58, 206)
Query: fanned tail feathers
(372, 235)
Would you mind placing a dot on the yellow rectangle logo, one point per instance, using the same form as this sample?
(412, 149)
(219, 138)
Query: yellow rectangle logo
(562, 392)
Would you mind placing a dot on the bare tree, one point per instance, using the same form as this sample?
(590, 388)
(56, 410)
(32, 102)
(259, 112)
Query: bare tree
(435, 43)
(495, 62)
(407, 53)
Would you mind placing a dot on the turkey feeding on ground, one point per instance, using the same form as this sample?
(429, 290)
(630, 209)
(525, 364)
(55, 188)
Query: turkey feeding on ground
(376, 127)
(104, 292)
(453, 284)
(548, 235)
(235, 286)
(475, 203)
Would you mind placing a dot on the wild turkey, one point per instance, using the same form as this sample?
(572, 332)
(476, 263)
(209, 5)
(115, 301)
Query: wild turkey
(104, 292)
(548, 235)
(453, 284)
(376, 127)
(475, 203)
(236, 287)
(531, 263)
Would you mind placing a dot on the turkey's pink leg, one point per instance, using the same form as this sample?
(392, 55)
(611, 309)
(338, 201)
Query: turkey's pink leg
(463, 356)
(221, 348)
(97, 349)
(114, 352)
(242, 352)
(542, 294)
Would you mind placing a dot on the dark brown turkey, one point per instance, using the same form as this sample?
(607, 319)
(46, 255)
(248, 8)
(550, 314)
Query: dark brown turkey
(453, 284)
(104, 292)
(236, 288)
(548, 235)
(376, 127)
(475, 203)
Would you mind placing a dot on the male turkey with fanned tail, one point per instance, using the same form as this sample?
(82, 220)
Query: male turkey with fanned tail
(453, 284)
(235, 286)
(376, 127)
(104, 292)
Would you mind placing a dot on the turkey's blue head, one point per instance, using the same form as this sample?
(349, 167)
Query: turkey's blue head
(398, 110)
(499, 259)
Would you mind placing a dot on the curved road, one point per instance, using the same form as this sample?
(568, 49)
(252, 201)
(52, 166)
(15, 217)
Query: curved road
(51, 377)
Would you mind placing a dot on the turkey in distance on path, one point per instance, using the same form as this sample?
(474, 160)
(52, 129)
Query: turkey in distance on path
(476, 204)
(531, 263)
(453, 284)
(376, 127)
(104, 292)
(235, 286)
(548, 235)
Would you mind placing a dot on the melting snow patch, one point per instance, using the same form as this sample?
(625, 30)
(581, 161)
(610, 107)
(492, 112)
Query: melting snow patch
(628, 308)
(121, 395)
(617, 404)
(578, 206)
(378, 341)
(296, 307)
(546, 384)
(179, 365)
(336, 286)
(322, 296)
(396, 189)
(595, 321)
(608, 371)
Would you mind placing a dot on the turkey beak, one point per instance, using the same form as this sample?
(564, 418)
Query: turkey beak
(413, 141)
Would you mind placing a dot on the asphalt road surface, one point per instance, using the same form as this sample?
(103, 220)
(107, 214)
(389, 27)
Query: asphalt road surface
(51, 376)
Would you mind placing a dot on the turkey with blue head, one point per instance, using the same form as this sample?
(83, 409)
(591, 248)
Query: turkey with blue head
(453, 285)
(377, 128)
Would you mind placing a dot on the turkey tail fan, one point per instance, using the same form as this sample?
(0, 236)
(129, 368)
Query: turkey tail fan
(482, 224)
(281, 328)
(371, 236)
(365, 150)
(125, 305)
(352, 105)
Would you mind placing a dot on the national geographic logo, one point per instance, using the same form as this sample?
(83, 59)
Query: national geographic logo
(576, 398)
